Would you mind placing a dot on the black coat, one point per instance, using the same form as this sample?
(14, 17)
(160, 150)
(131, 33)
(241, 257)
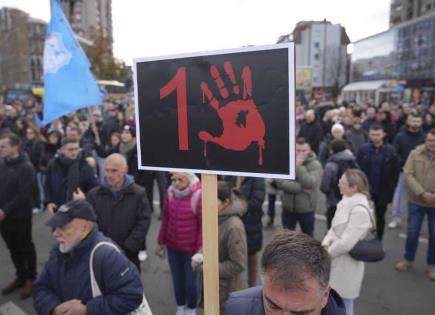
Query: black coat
(35, 151)
(125, 219)
(406, 141)
(56, 185)
(389, 172)
(313, 133)
(254, 191)
(16, 187)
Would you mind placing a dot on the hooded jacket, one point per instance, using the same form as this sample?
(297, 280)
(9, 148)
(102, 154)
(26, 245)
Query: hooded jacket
(250, 302)
(329, 177)
(233, 252)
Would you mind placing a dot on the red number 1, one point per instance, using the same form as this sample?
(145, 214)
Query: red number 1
(178, 83)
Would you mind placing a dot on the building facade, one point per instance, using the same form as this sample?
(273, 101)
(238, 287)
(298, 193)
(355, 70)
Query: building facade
(21, 47)
(322, 47)
(405, 55)
(406, 10)
(89, 17)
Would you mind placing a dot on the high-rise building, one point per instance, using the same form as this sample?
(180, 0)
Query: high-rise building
(406, 10)
(321, 46)
(21, 47)
(88, 17)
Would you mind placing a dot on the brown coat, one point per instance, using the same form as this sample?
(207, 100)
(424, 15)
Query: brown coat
(420, 175)
(233, 252)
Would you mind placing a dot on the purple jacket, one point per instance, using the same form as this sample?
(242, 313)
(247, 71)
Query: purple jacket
(181, 228)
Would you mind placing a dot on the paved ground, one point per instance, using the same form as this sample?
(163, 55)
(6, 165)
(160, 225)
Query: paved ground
(384, 291)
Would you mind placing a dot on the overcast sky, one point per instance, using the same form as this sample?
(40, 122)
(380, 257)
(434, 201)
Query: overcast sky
(145, 28)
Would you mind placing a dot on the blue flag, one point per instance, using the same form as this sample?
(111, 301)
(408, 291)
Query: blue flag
(68, 82)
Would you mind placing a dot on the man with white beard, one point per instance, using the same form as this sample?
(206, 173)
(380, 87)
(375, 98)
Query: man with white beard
(64, 285)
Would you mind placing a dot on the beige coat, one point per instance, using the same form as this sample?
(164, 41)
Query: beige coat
(419, 175)
(351, 223)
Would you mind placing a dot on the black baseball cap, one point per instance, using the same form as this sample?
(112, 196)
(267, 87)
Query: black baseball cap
(80, 209)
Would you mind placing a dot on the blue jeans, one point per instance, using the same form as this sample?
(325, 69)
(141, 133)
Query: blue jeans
(416, 215)
(399, 200)
(348, 304)
(306, 221)
(184, 278)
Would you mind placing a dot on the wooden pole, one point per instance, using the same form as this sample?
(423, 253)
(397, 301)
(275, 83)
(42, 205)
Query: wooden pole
(210, 244)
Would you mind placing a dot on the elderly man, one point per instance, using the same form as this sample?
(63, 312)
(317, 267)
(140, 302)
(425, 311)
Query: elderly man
(296, 281)
(64, 286)
(419, 173)
(122, 208)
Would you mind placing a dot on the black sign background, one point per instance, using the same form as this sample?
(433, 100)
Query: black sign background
(158, 119)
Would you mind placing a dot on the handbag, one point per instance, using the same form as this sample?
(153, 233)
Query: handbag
(143, 309)
(369, 249)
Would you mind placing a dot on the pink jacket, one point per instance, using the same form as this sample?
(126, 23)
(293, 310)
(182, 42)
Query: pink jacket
(181, 228)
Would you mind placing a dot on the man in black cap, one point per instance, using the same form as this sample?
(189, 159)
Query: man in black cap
(64, 285)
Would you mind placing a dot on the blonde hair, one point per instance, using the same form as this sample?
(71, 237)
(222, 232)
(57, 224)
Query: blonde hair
(357, 178)
(189, 176)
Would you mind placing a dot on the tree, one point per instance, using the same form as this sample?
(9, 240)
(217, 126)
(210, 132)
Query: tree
(104, 66)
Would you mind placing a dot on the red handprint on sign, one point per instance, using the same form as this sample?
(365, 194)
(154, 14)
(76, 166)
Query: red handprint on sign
(242, 123)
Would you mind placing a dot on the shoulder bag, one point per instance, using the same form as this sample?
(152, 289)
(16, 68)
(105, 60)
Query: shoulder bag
(369, 249)
(143, 309)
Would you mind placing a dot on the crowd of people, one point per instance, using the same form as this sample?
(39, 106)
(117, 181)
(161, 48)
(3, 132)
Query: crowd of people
(82, 169)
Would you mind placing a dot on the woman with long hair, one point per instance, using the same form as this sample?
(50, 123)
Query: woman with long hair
(352, 221)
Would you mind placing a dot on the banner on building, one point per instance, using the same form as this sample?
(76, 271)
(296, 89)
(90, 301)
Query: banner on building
(304, 78)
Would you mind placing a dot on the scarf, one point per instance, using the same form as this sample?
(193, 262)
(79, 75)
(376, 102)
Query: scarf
(124, 148)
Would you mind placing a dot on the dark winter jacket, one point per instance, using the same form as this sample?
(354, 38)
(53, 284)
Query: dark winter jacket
(67, 276)
(123, 216)
(329, 178)
(313, 133)
(357, 137)
(406, 141)
(368, 122)
(254, 191)
(48, 154)
(16, 187)
(250, 302)
(34, 150)
(325, 148)
(387, 173)
(56, 180)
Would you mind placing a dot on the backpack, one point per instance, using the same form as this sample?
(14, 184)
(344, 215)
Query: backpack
(342, 165)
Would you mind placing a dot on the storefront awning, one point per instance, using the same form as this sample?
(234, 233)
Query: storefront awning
(367, 85)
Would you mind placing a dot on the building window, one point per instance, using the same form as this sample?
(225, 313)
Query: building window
(317, 44)
(316, 56)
